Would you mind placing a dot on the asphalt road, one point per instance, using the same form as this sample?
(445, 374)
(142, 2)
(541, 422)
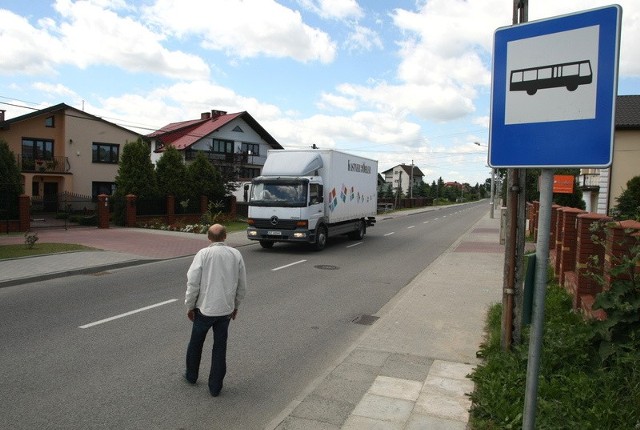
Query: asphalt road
(107, 350)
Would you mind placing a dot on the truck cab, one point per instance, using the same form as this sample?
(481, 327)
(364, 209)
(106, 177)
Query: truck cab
(286, 208)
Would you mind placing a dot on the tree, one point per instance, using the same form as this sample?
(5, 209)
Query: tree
(205, 180)
(136, 174)
(628, 206)
(573, 200)
(171, 173)
(10, 181)
(440, 187)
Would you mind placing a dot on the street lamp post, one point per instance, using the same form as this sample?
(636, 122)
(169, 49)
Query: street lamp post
(493, 187)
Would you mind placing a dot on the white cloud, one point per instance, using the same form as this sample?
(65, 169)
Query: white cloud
(56, 90)
(244, 28)
(93, 35)
(334, 9)
(22, 46)
(363, 38)
(182, 101)
(88, 35)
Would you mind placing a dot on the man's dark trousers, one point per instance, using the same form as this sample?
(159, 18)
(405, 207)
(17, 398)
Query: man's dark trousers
(201, 326)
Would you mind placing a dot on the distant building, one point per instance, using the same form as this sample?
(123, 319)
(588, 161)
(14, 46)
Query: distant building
(235, 143)
(402, 177)
(61, 149)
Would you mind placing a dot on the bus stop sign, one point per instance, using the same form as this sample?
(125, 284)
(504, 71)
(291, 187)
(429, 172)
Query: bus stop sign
(553, 92)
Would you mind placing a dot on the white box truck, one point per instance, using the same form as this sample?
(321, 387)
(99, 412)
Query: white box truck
(310, 195)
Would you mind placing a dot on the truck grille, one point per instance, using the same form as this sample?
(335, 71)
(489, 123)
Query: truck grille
(284, 224)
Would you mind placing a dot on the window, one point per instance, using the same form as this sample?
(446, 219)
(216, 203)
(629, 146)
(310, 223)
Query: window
(105, 153)
(37, 149)
(98, 188)
(222, 146)
(249, 172)
(238, 129)
(251, 148)
(50, 122)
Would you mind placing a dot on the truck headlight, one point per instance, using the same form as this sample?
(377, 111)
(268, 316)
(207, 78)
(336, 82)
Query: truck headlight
(252, 233)
(299, 235)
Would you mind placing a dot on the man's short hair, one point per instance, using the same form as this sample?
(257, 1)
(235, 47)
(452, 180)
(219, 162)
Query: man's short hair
(217, 233)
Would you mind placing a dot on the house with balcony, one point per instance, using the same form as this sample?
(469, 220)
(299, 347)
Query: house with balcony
(403, 177)
(64, 150)
(602, 187)
(234, 142)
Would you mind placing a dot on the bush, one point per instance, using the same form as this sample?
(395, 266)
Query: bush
(576, 390)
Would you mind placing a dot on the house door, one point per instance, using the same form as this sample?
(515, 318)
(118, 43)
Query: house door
(50, 197)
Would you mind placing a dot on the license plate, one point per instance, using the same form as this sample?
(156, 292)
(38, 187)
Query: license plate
(274, 233)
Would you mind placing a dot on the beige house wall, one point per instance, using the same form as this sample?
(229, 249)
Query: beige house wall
(82, 133)
(73, 135)
(626, 163)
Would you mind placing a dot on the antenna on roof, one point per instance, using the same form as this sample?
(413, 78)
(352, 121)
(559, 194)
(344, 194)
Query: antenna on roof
(314, 146)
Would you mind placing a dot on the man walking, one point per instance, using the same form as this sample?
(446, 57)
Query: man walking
(216, 283)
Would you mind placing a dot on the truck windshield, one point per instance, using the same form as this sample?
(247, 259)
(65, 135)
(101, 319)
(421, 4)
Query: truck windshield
(278, 193)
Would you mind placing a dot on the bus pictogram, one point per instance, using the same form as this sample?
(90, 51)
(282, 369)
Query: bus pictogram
(569, 75)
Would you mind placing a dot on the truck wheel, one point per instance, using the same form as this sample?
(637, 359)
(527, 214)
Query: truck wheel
(266, 244)
(321, 238)
(359, 233)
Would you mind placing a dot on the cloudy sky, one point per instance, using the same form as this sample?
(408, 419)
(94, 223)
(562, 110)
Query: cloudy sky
(398, 81)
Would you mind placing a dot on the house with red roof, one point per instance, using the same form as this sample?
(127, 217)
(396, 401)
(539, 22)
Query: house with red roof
(234, 142)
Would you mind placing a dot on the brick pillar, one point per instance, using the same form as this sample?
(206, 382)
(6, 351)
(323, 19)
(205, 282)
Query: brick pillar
(103, 211)
(131, 212)
(204, 204)
(567, 256)
(589, 244)
(554, 226)
(171, 209)
(529, 218)
(233, 208)
(534, 218)
(620, 237)
(24, 212)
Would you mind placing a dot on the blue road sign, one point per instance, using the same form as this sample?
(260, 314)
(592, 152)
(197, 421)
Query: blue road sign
(554, 87)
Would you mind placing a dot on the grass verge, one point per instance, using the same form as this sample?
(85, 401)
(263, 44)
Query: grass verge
(575, 391)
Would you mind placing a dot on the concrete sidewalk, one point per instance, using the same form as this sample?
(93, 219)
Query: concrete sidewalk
(408, 371)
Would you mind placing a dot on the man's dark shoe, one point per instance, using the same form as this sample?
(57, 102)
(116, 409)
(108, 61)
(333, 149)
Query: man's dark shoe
(215, 393)
(187, 380)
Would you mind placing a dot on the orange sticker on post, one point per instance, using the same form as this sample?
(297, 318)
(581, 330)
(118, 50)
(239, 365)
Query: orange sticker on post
(563, 184)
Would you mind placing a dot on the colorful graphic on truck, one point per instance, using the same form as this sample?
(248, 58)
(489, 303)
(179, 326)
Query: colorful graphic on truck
(345, 196)
(569, 75)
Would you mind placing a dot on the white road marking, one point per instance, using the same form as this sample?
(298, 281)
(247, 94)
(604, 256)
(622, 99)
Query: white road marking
(126, 314)
(389, 234)
(411, 226)
(426, 222)
(287, 265)
(355, 244)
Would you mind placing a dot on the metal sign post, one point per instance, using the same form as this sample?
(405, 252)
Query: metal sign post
(540, 287)
(553, 92)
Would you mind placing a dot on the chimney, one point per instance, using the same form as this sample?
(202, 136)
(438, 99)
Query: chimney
(205, 115)
(217, 113)
(2, 111)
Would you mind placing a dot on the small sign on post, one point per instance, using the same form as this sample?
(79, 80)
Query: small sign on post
(563, 184)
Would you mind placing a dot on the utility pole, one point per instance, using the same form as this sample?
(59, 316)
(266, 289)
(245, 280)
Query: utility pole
(411, 182)
(515, 233)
